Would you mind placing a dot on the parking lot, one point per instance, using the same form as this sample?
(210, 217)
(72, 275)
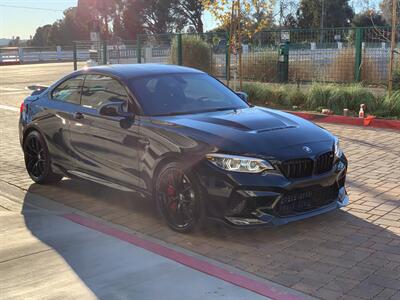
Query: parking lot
(350, 254)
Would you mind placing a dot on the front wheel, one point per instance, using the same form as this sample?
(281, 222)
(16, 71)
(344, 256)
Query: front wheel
(37, 159)
(178, 198)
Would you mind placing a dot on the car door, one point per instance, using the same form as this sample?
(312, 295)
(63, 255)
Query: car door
(55, 117)
(106, 146)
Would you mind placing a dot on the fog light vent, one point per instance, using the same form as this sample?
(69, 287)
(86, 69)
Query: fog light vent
(235, 206)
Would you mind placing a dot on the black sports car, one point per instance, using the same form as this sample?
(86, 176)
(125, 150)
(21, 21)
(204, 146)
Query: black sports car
(183, 138)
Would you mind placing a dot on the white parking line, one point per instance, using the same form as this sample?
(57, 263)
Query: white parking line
(2, 88)
(11, 108)
(14, 93)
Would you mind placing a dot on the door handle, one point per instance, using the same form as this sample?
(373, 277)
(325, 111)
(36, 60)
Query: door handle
(79, 116)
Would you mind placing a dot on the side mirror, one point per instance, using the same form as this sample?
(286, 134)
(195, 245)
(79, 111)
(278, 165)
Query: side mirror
(115, 109)
(243, 96)
(109, 110)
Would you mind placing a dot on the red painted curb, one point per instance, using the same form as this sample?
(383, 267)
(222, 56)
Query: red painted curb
(184, 259)
(335, 119)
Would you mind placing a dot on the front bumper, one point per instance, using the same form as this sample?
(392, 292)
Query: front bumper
(248, 200)
(269, 219)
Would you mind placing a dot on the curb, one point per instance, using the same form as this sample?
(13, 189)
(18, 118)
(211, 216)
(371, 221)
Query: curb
(248, 281)
(336, 119)
(9, 63)
(255, 285)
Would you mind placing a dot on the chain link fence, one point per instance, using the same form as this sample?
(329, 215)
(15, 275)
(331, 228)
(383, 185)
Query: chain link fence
(331, 55)
(296, 55)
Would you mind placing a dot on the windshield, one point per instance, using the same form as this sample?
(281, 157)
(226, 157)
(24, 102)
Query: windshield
(174, 94)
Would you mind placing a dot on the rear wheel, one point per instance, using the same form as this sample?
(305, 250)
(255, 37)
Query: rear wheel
(178, 198)
(37, 159)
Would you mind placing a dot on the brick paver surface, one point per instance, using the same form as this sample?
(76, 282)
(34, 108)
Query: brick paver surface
(353, 253)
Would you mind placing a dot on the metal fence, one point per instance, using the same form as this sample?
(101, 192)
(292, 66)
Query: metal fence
(331, 55)
(41, 54)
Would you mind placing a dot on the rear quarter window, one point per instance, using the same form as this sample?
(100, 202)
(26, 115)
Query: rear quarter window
(69, 91)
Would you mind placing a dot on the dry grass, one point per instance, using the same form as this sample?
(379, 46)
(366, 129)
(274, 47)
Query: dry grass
(302, 70)
(260, 66)
(342, 68)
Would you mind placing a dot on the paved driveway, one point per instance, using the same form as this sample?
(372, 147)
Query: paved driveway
(348, 254)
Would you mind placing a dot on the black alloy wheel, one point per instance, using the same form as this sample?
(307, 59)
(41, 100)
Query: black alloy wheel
(37, 159)
(179, 199)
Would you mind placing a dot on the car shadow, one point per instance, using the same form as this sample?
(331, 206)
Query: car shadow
(320, 252)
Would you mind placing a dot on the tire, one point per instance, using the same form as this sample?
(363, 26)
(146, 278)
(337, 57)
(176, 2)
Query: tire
(179, 199)
(38, 160)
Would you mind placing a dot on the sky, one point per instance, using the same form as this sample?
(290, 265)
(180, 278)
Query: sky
(23, 22)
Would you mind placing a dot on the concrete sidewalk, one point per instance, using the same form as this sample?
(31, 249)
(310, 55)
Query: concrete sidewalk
(43, 255)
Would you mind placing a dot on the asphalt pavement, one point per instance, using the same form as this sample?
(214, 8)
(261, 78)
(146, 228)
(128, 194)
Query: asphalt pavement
(14, 79)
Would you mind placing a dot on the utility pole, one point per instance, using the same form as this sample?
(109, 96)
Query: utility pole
(322, 20)
(392, 46)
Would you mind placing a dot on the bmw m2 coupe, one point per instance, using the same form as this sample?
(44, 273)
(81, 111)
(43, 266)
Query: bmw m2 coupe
(184, 139)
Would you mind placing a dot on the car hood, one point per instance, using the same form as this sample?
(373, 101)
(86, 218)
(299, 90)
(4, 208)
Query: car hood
(258, 131)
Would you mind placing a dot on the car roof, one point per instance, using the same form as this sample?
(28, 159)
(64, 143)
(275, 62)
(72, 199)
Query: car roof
(129, 71)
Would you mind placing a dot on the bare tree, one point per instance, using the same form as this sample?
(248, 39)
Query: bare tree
(386, 10)
(390, 12)
(286, 10)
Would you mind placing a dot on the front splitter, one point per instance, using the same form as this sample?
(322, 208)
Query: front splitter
(271, 220)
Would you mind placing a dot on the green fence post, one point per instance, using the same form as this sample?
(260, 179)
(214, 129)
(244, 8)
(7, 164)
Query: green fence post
(138, 50)
(104, 53)
(227, 58)
(211, 59)
(75, 55)
(179, 52)
(358, 45)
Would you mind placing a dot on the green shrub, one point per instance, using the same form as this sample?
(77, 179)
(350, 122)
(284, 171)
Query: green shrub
(259, 93)
(296, 96)
(196, 53)
(318, 96)
(396, 79)
(358, 95)
(392, 104)
(333, 96)
(273, 95)
(337, 97)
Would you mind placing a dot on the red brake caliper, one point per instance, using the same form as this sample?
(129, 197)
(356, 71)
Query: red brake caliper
(171, 192)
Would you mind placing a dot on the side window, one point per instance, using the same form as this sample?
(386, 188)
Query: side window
(69, 91)
(99, 90)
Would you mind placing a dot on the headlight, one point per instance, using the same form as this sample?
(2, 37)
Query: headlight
(338, 151)
(236, 163)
